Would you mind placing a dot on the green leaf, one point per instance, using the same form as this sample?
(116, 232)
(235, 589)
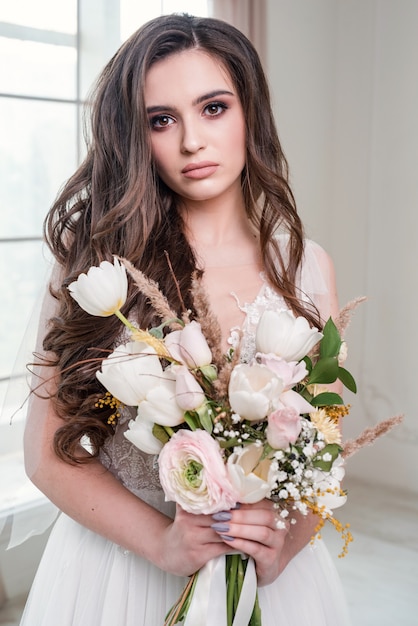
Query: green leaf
(326, 399)
(347, 379)
(306, 395)
(331, 342)
(333, 449)
(206, 423)
(192, 420)
(160, 433)
(325, 371)
(308, 363)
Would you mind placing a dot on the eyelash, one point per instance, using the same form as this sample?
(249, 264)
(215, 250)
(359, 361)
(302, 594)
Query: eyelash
(154, 121)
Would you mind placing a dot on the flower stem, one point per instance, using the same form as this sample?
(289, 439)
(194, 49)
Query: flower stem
(256, 615)
(124, 320)
(231, 576)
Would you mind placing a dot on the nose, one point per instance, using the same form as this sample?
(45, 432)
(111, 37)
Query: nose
(193, 137)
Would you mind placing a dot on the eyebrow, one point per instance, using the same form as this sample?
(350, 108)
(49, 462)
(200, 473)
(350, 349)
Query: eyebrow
(199, 100)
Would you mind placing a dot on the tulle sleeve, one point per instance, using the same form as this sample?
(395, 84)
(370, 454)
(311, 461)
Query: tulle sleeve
(317, 280)
(31, 512)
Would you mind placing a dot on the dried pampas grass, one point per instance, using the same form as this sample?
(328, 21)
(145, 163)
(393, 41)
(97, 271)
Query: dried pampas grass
(369, 435)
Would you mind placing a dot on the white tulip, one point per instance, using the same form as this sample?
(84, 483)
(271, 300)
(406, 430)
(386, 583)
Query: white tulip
(140, 434)
(189, 394)
(130, 372)
(103, 290)
(252, 479)
(160, 405)
(189, 346)
(285, 335)
(253, 390)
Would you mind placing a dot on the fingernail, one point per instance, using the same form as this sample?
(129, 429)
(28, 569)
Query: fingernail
(226, 538)
(222, 516)
(220, 528)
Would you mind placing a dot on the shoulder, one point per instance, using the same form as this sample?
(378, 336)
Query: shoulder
(316, 276)
(315, 253)
(315, 257)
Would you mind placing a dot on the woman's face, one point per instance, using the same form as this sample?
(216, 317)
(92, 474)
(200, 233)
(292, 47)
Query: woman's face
(197, 126)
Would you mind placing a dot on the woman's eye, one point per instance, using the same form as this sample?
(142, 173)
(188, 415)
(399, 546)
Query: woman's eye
(161, 121)
(215, 108)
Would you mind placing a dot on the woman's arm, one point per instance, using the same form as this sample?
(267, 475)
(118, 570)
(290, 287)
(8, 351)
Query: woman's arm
(93, 497)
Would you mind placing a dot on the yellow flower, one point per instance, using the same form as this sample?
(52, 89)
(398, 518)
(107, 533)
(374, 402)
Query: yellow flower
(154, 342)
(326, 425)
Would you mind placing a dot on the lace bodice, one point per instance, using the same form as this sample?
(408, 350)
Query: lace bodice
(139, 471)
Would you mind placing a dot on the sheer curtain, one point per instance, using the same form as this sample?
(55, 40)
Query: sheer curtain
(247, 15)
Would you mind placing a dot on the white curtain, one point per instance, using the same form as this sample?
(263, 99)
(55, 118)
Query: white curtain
(249, 16)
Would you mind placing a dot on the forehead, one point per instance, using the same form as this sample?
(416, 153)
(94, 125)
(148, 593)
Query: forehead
(186, 75)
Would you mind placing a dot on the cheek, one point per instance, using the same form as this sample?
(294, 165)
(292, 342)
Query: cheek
(238, 140)
(160, 155)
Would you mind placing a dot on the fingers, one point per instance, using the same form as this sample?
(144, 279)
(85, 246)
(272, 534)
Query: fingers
(258, 523)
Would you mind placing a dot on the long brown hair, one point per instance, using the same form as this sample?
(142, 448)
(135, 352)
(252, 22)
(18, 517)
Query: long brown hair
(115, 203)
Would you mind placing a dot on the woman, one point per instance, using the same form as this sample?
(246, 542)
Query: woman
(184, 160)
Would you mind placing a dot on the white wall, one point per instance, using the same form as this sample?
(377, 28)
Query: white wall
(345, 84)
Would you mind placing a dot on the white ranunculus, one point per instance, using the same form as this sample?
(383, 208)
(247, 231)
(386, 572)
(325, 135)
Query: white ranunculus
(253, 390)
(189, 346)
(285, 335)
(140, 434)
(193, 473)
(252, 479)
(102, 291)
(130, 372)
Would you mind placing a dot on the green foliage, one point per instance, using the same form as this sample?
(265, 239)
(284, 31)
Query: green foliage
(347, 379)
(331, 342)
(333, 449)
(326, 399)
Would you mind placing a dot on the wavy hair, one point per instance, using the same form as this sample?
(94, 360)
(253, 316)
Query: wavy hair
(115, 203)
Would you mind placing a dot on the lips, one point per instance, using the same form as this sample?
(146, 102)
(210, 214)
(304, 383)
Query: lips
(199, 170)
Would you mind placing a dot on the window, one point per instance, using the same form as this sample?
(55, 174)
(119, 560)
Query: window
(38, 103)
(51, 53)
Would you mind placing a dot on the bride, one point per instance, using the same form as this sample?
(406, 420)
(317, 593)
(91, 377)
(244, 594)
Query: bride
(183, 161)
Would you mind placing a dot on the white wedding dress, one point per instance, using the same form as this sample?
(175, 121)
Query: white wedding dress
(86, 580)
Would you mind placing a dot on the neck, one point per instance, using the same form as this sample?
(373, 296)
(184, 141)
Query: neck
(222, 238)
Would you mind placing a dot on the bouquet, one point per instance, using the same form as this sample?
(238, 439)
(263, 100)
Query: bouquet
(227, 431)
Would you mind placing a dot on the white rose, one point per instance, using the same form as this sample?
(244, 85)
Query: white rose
(102, 291)
(285, 335)
(252, 479)
(253, 390)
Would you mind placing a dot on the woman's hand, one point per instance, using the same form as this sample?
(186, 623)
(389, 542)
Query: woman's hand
(188, 543)
(252, 529)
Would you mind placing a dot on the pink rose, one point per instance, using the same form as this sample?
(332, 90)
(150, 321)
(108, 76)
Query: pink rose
(193, 473)
(283, 428)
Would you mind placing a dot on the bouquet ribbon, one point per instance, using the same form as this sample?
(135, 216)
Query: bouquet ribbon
(208, 605)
